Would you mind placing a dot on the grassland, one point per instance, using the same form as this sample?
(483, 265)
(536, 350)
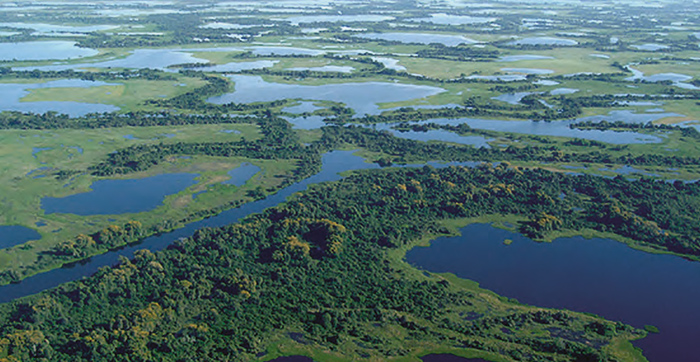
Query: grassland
(129, 95)
(29, 158)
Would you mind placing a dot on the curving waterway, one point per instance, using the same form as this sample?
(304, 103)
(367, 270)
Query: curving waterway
(333, 163)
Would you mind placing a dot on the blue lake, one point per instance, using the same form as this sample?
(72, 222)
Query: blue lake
(11, 235)
(44, 50)
(362, 97)
(598, 276)
(111, 197)
(241, 174)
(420, 38)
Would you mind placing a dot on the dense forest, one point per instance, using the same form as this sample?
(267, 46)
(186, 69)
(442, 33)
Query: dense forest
(319, 269)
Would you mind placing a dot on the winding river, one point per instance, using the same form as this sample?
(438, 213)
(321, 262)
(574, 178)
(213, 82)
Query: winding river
(333, 163)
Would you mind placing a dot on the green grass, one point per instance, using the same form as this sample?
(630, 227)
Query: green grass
(21, 194)
(129, 95)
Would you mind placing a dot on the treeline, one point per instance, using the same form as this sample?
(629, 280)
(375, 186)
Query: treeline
(689, 132)
(316, 270)
(459, 53)
(53, 120)
(145, 73)
(404, 151)
(279, 141)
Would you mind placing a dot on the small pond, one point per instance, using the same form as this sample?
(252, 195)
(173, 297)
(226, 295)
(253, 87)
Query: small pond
(11, 235)
(241, 174)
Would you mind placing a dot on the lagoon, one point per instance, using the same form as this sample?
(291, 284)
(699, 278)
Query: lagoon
(599, 276)
(112, 197)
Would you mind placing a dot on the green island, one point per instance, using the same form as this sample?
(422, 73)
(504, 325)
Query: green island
(124, 123)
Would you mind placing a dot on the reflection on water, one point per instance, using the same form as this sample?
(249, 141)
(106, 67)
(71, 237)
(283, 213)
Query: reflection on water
(599, 276)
